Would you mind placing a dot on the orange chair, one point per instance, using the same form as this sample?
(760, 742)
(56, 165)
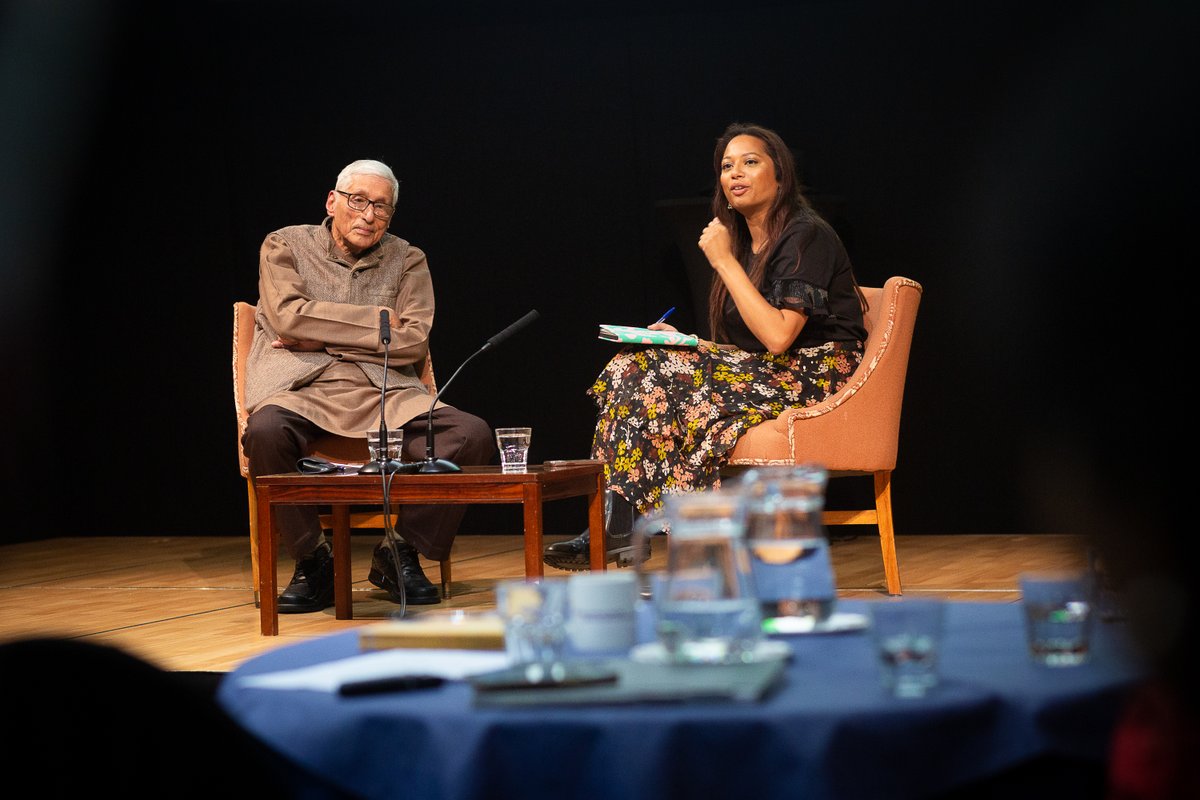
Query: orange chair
(333, 448)
(856, 430)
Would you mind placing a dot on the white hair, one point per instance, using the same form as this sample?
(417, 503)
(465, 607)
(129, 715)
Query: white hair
(368, 167)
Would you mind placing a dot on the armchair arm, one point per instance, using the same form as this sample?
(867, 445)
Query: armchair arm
(858, 427)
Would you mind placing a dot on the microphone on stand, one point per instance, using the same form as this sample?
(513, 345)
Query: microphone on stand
(383, 464)
(436, 465)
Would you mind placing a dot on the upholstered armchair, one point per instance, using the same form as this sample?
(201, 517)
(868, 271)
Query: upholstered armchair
(855, 431)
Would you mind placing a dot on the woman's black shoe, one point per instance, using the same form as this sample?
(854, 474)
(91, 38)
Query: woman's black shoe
(573, 554)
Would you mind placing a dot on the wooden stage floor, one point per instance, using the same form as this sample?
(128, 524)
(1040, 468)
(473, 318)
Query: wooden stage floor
(186, 604)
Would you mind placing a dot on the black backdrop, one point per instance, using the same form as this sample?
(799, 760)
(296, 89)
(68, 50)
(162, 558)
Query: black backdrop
(1018, 159)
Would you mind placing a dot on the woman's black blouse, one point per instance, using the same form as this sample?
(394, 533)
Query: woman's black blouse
(809, 271)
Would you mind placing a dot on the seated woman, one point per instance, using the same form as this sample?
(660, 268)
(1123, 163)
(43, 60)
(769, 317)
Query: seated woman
(786, 316)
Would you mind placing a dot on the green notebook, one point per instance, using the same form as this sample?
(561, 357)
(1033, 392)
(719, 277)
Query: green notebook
(650, 683)
(629, 334)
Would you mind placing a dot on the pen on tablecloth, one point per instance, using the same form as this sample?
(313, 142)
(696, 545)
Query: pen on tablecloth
(401, 683)
(666, 314)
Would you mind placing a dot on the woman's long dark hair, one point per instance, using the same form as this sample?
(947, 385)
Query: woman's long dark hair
(789, 202)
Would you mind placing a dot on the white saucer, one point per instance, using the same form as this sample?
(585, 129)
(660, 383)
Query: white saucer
(838, 622)
(766, 650)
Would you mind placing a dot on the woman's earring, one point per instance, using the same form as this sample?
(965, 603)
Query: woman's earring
(729, 206)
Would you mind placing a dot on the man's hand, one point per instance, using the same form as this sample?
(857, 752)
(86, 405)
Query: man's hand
(297, 345)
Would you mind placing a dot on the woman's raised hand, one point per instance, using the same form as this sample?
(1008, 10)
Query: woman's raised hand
(716, 242)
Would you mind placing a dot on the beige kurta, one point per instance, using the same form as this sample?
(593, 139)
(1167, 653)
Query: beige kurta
(310, 290)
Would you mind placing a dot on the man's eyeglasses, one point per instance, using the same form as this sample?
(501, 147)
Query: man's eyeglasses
(360, 203)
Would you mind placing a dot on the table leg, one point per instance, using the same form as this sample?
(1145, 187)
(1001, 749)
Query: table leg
(268, 611)
(596, 545)
(343, 604)
(531, 504)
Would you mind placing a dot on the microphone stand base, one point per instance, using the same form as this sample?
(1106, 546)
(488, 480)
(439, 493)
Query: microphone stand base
(438, 465)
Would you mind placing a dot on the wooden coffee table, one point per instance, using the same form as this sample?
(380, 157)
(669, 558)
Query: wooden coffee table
(472, 485)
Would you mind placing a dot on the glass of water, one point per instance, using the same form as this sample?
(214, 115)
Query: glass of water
(788, 545)
(395, 440)
(907, 633)
(1058, 616)
(535, 627)
(514, 448)
(706, 607)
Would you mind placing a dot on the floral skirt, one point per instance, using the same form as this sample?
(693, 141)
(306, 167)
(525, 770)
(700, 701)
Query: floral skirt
(669, 416)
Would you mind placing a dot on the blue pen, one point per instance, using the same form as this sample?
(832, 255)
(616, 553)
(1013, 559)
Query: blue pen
(668, 313)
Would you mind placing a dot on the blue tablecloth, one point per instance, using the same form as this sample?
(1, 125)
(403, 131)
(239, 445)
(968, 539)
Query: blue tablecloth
(828, 731)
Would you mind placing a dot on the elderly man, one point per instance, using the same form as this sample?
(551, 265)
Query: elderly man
(316, 366)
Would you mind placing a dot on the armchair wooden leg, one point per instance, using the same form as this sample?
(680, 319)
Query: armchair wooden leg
(253, 537)
(887, 539)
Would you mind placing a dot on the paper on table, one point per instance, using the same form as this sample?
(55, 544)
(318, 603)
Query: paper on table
(328, 677)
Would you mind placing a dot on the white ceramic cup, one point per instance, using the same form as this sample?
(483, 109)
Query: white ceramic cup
(603, 612)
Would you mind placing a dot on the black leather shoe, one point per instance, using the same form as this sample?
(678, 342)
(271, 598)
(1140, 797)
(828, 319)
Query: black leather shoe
(418, 591)
(574, 554)
(311, 588)
(619, 517)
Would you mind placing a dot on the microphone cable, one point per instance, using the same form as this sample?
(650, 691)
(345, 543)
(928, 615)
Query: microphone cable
(390, 536)
(385, 474)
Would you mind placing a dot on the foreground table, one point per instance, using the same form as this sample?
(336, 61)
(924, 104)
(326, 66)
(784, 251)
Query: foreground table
(827, 732)
(473, 485)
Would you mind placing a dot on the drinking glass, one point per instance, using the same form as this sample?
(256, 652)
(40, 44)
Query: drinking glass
(789, 549)
(514, 448)
(535, 626)
(707, 611)
(907, 633)
(1058, 616)
(395, 439)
